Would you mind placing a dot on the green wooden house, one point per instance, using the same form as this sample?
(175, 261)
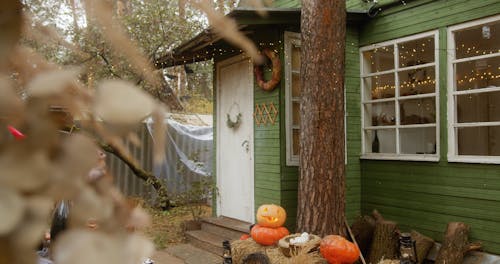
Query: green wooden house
(422, 85)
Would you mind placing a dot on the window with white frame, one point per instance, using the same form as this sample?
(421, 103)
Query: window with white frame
(399, 98)
(474, 91)
(292, 95)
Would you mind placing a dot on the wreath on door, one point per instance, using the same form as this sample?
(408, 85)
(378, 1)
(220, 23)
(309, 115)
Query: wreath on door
(276, 70)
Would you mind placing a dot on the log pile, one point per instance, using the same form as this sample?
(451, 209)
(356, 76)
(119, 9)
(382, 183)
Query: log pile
(377, 239)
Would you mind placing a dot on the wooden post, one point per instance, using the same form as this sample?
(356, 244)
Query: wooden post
(385, 241)
(455, 244)
(362, 231)
(423, 245)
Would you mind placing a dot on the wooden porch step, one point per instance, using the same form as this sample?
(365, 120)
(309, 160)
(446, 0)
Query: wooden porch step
(228, 228)
(206, 241)
(214, 230)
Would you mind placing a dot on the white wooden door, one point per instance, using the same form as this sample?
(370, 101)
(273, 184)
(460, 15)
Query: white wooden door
(235, 166)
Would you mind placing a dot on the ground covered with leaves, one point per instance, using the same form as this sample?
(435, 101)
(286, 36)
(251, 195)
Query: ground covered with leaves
(167, 226)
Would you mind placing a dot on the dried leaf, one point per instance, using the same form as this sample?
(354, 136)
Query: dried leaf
(121, 43)
(10, 103)
(159, 135)
(10, 26)
(88, 204)
(228, 29)
(24, 171)
(83, 247)
(79, 155)
(30, 231)
(121, 103)
(11, 210)
(53, 82)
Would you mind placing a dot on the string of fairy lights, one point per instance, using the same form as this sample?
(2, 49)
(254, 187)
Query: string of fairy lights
(470, 80)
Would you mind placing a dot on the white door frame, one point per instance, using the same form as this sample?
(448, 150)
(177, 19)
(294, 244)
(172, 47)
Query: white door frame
(221, 122)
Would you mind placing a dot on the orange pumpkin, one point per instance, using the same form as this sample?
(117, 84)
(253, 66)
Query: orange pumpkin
(268, 236)
(337, 249)
(271, 215)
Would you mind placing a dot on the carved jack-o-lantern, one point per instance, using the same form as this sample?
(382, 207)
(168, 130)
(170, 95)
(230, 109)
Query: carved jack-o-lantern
(337, 249)
(271, 215)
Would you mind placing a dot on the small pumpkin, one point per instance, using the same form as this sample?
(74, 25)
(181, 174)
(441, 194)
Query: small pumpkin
(271, 215)
(268, 236)
(337, 249)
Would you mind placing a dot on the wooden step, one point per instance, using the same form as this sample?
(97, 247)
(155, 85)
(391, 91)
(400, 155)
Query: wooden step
(228, 228)
(206, 241)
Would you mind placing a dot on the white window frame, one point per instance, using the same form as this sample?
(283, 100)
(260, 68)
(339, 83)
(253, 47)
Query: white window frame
(452, 114)
(396, 100)
(291, 39)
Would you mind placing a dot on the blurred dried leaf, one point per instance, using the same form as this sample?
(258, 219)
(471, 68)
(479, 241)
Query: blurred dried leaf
(23, 170)
(83, 247)
(88, 204)
(138, 218)
(121, 43)
(259, 5)
(159, 135)
(30, 231)
(10, 26)
(228, 29)
(122, 103)
(11, 210)
(28, 64)
(52, 82)
(79, 155)
(10, 103)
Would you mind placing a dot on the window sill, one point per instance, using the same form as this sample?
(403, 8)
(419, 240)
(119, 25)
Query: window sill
(408, 157)
(474, 159)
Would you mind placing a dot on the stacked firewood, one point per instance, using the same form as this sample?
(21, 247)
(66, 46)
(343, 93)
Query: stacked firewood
(377, 239)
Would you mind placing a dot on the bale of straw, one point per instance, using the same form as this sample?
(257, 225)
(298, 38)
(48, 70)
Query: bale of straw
(241, 248)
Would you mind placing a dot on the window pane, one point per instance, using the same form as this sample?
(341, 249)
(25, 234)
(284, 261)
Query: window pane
(416, 52)
(296, 113)
(380, 141)
(295, 85)
(483, 141)
(417, 111)
(379, 59)
(417, 81)
(480, 107)
(477, 74)
(379, 87)
(382, 114)
(295, 58)
(296, 141)
(418, 140)
(478, 40)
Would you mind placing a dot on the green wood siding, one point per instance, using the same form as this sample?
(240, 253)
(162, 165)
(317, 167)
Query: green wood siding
(425, 196)
(415, 18)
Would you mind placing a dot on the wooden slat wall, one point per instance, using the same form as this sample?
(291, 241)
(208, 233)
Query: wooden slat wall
(427, 195)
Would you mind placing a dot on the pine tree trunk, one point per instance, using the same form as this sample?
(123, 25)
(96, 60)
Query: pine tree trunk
(321, 197)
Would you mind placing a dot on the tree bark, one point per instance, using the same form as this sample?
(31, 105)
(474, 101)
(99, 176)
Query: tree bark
(321, 194)
(362, 230)
(455, 244)
(384, 242)
(161, 189)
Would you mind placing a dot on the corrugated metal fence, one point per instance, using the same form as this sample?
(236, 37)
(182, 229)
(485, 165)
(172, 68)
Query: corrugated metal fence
(124, 178)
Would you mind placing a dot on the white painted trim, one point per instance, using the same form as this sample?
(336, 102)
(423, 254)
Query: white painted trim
(406, 157)
(478, 57)
(477, 91)
(398, 98)
(452, 93)
(218, 66)
(291, 38)
(476, 124)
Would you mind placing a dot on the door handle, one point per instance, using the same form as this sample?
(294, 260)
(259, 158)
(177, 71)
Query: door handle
(246, 145)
